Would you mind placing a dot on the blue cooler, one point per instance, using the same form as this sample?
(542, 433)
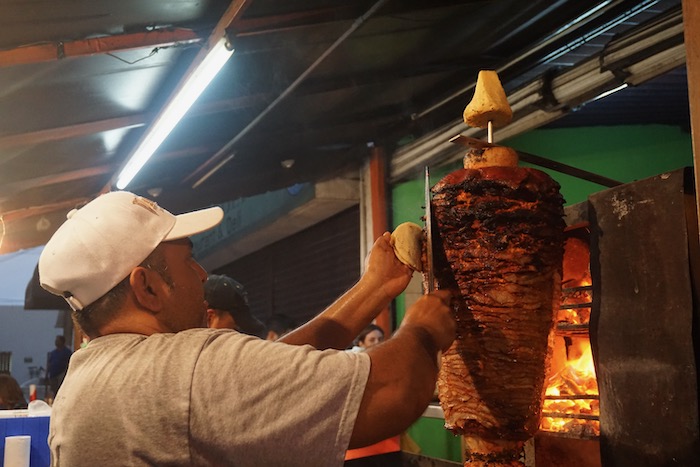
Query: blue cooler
(37, 428)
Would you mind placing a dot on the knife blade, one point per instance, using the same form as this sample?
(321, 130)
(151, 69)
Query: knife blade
(428, 234)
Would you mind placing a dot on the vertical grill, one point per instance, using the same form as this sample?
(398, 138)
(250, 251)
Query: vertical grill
(644, 327)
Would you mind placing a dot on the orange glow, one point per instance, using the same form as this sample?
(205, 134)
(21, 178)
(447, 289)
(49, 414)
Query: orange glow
(571, 402)
(576, 315)
(576, 378)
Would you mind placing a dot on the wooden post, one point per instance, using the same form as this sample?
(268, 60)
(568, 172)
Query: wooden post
(691, 24)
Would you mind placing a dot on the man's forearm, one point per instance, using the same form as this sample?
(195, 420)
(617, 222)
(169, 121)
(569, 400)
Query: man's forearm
(400, 385)
(343, 320)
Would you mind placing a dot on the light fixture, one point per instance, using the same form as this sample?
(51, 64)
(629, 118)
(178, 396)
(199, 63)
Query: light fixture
(607, 93)
(43, 224)
(154, 192)
(183, 98)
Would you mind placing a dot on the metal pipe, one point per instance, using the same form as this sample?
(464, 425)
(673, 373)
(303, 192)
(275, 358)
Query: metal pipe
(574, 306)
(573, 397)
(568, 170)
(227, 148)
(581, 416)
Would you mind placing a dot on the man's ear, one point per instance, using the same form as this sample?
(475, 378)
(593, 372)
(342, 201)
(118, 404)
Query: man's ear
(147, 286)
(211, 317)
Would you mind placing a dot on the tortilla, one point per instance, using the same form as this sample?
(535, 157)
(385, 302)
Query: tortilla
(407, 240)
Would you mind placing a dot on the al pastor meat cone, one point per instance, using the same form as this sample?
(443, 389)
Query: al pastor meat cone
(498, 240)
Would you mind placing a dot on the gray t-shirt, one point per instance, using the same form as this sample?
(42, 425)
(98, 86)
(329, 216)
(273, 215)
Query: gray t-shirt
(205, 397)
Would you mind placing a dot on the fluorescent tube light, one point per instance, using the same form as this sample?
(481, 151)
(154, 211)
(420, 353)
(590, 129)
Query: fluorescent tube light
(175, 109)
(607, 93)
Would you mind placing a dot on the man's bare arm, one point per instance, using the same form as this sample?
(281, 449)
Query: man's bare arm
(404, 371)
(385, 277)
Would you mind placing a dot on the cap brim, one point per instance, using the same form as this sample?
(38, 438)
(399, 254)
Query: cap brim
(192, 223)
(248, 323)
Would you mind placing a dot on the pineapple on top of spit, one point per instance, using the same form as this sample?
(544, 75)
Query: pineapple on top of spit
(489, 109)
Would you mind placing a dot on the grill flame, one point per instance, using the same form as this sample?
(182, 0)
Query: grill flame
(571, 404)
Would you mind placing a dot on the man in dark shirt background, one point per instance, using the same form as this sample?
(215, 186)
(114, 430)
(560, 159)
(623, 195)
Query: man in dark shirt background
(58, 364)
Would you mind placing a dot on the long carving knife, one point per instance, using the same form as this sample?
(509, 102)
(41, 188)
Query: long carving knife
(428, 234)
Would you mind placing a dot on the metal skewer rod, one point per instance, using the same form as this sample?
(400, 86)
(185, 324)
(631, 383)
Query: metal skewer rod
(580, 416)
(429, 234)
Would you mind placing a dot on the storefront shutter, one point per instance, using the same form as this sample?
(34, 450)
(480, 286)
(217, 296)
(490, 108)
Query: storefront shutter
(304, 273)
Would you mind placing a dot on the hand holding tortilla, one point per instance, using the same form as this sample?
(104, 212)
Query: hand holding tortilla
(407, 240)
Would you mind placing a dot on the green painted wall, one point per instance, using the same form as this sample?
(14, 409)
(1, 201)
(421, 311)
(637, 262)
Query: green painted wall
(623, 153)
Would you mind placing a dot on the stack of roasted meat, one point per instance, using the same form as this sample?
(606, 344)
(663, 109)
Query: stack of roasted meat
(498, 234)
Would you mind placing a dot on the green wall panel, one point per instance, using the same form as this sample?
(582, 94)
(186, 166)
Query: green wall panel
(623, 153)
(435, 441)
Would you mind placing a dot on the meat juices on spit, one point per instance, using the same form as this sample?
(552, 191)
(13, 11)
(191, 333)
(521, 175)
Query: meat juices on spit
(498, 240)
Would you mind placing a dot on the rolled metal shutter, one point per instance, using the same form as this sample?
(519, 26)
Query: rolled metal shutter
(304, 273)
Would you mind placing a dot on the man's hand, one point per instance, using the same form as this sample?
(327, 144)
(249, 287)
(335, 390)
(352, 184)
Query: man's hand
(433, 313)
(384, 270)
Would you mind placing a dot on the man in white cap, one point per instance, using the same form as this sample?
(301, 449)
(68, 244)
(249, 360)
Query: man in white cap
(153, 387)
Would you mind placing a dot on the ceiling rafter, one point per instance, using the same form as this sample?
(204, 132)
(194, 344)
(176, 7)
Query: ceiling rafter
(270, 24)
(10, 189)
(58, 50)
(119, 123)
(70, 131)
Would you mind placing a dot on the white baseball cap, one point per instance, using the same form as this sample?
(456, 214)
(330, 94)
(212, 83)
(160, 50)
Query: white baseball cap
(100, 243)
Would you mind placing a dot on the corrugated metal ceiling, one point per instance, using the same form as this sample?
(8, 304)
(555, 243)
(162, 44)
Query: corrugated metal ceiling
(313, 81)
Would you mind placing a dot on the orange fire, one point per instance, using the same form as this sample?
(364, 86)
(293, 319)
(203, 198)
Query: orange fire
(571, 402)
(576, 298)
(571, 399)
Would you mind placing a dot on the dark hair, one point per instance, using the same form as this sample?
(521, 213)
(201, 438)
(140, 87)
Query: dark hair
(101, 311)
(371, 327)
(11, 396)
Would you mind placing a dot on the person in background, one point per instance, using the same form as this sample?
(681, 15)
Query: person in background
(279, 325)
(153, 387)
(370, 336)
(57, 364)
(386, 453)
(11, 396)
(228, 306)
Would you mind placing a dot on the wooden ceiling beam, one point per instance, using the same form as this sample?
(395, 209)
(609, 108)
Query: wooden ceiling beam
(99, 45)
(132, 121)
(70, 131)
(10, 189)
(25, 213)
